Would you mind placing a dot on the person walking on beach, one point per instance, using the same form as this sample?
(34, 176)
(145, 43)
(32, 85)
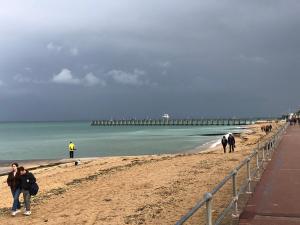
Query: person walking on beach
(231, 143)
(224, 143)
(72, 148)
(13, 181)
(27, 180)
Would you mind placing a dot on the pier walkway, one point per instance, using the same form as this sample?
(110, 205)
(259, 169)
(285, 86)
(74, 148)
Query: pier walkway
(173, 122)
(276, 200)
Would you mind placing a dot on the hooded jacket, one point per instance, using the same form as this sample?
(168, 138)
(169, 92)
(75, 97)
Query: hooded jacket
(13, 182)
(27, 180)
(224, 141)
(231, 140)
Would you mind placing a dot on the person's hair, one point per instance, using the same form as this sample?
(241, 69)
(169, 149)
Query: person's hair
(223, 136)
(15, 164)
(70, 141)
(21, 168)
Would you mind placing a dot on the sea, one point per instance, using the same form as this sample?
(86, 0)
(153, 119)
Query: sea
(49, 140)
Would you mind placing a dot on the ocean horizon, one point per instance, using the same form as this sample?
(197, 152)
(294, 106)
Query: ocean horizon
(49, 140)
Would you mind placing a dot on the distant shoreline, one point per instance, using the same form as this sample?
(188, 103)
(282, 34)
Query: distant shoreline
(39, 163)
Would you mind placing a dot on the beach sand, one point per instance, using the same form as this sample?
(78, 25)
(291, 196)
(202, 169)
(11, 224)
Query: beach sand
(155, 189)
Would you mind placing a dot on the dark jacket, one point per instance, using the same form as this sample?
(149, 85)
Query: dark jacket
(231, 140)
(224, 141)
(27, 180)
(13, 181)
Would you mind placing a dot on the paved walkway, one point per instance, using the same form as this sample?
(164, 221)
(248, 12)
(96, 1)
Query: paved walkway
(276, 200)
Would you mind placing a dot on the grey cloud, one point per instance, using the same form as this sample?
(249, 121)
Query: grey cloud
(65, 77)
(164, 64)
(137, 77)
(22, 79)
(28, 69)
(53, 47)
(91, 80)
(74, 51)
(254, 59)
(201, 58)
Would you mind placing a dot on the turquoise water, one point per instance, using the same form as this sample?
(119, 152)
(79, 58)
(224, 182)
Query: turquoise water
(50, 140)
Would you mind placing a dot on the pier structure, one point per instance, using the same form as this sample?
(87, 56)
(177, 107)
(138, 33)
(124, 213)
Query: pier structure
(173, 122)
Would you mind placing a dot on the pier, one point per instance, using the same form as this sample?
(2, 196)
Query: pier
(173, 122)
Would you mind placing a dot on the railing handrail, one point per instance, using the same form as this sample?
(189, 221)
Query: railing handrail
(274, 139)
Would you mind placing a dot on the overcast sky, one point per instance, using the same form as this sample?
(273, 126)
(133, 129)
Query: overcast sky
(76, 60)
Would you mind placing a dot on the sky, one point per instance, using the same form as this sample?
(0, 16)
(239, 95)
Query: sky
(102, 59)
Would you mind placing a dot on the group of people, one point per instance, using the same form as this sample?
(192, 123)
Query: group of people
(266, 128)
(294, 120)
(21, 181)
(228, 141)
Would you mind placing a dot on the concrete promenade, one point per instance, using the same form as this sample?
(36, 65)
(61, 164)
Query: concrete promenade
(276, 200)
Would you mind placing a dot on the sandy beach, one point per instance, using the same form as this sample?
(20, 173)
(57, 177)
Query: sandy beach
(150, 189)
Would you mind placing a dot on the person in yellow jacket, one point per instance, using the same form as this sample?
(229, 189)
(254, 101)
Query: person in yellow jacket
(72, 148)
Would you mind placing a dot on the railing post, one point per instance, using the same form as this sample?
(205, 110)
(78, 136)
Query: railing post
(235, 213)
(257, 166)
(263, 155)
(269, 150)
(257, 160)
(208, 197)
(249, 176)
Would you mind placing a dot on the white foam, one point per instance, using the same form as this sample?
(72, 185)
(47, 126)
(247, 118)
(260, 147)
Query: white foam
(215, 144)
(241, 128)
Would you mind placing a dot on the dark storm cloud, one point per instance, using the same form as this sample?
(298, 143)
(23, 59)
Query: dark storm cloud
(101, 59)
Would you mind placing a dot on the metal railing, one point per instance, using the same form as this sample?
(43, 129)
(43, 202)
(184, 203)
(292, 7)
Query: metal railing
(260, 155)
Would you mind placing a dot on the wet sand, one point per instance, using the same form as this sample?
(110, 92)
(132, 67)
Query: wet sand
(152, 189)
